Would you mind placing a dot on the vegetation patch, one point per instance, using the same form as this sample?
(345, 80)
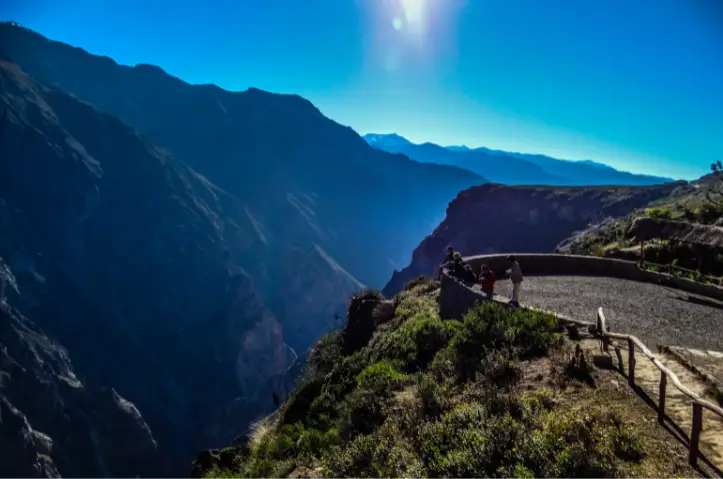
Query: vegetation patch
(485, 396)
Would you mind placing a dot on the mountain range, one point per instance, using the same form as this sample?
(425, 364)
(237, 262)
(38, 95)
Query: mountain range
(169, 251)
(513, 168)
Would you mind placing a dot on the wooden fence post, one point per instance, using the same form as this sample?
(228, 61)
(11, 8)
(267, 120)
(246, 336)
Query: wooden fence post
(695, 434)
(631, 362)
(661, 397)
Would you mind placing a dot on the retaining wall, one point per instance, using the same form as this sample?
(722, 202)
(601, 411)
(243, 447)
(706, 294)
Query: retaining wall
(567, 265)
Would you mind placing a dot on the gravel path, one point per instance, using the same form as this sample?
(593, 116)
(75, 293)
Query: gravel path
(655, 314)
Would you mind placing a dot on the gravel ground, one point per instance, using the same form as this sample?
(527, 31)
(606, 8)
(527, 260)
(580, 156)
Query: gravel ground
(655, 314)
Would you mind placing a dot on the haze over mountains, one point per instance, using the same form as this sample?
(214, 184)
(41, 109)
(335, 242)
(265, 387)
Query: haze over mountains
(169, 250)
(512, 168)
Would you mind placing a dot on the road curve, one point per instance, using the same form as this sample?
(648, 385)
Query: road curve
(655, 314)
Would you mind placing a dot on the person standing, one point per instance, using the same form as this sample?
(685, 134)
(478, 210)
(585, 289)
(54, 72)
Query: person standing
(447, 262)
(487, 281)
(515, 274)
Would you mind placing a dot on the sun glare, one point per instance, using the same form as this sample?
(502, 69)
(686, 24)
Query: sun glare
(413, 10)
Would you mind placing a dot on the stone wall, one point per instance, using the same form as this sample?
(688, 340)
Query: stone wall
(455, 298)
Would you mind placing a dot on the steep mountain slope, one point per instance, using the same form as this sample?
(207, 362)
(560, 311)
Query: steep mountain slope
(513, 168)
(127, 258)
(495, 218)
(262, 148)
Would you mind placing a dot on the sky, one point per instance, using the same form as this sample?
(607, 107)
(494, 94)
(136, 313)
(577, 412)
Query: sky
(636, 84)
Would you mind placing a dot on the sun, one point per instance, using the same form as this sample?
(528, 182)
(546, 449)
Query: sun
(413, 10)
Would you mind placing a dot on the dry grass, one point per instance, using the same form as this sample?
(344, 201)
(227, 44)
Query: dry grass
(665, 456)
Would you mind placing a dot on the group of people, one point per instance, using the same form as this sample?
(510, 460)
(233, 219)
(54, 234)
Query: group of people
(462, 270)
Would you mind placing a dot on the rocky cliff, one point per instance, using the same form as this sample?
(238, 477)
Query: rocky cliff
(494, 218)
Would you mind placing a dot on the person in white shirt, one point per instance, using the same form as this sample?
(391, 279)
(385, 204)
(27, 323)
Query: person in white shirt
(515, 274)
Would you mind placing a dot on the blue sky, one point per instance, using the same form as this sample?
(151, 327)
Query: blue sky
(637, 84)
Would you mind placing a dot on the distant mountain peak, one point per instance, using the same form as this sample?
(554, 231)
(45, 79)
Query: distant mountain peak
(387, 139)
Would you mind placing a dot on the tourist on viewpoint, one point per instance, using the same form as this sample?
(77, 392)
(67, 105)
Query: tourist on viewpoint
(515, 274)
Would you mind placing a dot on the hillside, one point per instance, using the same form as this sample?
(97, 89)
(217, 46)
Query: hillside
(182, 244)
(513, 168)
(495, 218)
(402, 393)
(696, 202)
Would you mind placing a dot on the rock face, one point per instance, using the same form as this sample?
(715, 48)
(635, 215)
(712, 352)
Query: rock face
(495, 218)
(181, 268)
(52, 424)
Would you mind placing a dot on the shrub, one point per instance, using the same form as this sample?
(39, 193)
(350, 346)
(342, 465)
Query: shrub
(327, 352)
(490, 325)
(363, 409)
(708, 213)
(419, 281)
(433, 397)
(597, 250)
(354, 460)
(659, 212)
(498, 368)
(415, 343)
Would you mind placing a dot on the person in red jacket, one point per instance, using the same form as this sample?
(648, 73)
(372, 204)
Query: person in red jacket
(487, 280)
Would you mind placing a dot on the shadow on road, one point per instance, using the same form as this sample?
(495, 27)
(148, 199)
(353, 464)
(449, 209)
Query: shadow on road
(700, 301)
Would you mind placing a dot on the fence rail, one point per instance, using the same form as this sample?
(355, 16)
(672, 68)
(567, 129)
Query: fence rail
(665, 373)
(673, 267)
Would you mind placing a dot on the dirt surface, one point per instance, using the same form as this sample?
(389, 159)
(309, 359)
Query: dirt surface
(678, 407)
(707, 361)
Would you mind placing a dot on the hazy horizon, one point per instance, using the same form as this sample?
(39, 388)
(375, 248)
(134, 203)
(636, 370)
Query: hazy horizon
(636, 87)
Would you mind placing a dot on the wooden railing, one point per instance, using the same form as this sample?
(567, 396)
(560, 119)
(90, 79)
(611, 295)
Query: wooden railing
(665, 373)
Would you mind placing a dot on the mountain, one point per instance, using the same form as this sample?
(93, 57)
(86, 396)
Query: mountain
(174, 248)
(496, 167)
(513, 168)
(495, 218)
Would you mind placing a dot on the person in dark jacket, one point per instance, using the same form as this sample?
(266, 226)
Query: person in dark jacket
(487, 281)
(447, 262)
(457, 265)
(468, 274)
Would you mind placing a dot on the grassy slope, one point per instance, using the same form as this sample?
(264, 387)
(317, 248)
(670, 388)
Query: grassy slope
(497, 394)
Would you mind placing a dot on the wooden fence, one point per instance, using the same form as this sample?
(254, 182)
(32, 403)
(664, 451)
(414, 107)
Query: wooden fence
(698, 403)
(670, 268)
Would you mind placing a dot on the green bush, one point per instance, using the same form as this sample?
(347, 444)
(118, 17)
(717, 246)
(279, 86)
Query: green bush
(433, 396)
(708, 213)
(493, 326)
(415, 343)
(364, 409)
(659, 212)
(419, 281)
(327, 352)
(354, 460)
